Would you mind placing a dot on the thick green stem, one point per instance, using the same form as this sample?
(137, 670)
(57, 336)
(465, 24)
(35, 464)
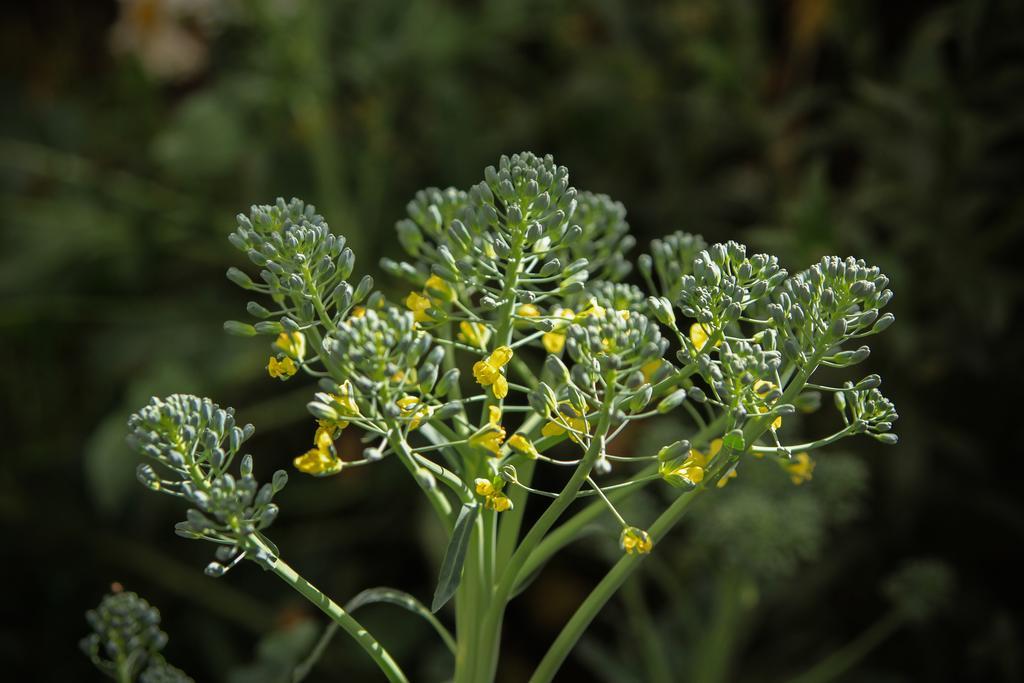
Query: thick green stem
(346, 621)
(843, 659)
(491, 629)
(712, 665)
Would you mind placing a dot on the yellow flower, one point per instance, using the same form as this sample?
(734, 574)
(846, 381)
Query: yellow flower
(345, 401)
(635, 541)
(528, 311)
(484, 487)
(520, 444)
(699, 336)
(498, 502)
(492, 435)
(487, 372)
(554, 341)
(357, 312)
(412, 406)
(436, 284)
(692, 470)
(293, 344)
(568, 419)
(776, 423)
(650, 369)
(318, 462)
(731, 474)
(281, 369)
(800, 468)
(595, 310)
(474, 334)
(418, 304)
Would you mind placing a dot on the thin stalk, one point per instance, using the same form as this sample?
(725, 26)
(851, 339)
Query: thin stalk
(843, 659)
(603, 592)
(383, 659)
(585, 614)
(491, 628)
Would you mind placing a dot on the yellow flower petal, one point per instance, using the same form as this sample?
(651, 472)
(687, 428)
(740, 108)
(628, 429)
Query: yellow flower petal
(281, 369)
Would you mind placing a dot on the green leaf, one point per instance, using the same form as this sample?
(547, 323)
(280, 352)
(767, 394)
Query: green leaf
(402, 599)
(455, 556)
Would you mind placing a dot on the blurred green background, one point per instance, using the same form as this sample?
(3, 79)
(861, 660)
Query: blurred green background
(133, 131)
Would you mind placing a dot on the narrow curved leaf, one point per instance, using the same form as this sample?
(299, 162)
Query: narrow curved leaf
(455, 555)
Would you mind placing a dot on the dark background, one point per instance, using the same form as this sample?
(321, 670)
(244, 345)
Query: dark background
(131, 133)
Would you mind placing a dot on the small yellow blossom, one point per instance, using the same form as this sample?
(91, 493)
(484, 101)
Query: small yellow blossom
(731, 474)
(474, 334)
(357, 312)
(492, 435)
(800, 468)
(321, 460)
(699, 336)
(528, 311)
(318, 462)
(483, 487)
(292, 344)
(520, 444)
(635, 541)
(487, 372)
(595, 310)
(412, 406)
(568, 419)
(498, 502)
(554, 341)
(282, 368)
(418, 304)
(434, 285)
(776, 423)
(693, 469)
(651, 369)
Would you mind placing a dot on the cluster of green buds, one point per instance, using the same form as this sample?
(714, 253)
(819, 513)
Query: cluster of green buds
(191, 443)
(521, 344)
(502, 284)
(126, 640)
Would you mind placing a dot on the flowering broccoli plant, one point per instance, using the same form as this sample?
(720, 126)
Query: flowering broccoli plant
(520, 346)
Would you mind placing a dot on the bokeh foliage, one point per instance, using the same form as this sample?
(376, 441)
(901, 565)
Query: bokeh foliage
(892, 132)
